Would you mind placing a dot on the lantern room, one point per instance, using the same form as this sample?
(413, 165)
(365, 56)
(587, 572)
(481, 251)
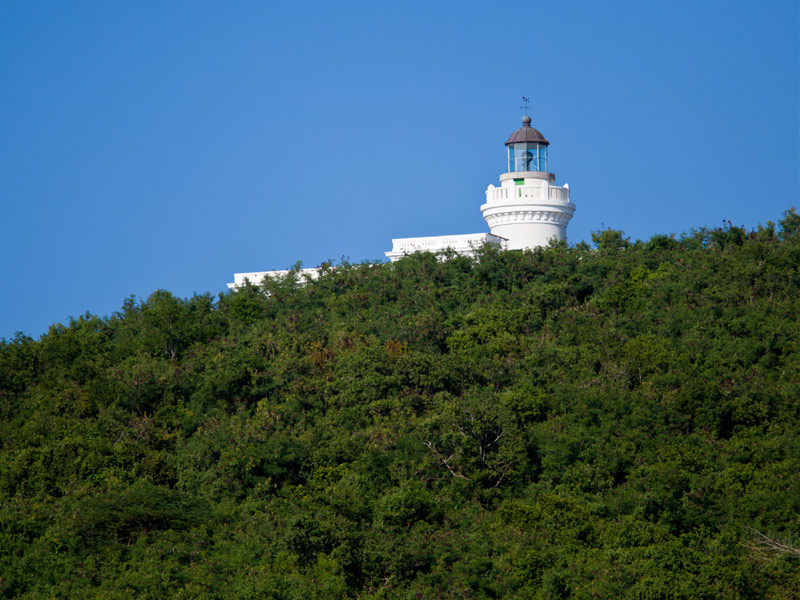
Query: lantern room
(527, 149)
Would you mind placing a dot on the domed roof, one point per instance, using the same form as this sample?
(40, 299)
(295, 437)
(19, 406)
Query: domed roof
(526, 133)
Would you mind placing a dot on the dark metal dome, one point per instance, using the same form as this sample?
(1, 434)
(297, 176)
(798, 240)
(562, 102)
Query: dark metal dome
(526, 133)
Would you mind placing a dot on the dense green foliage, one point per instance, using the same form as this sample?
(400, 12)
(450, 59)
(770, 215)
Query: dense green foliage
(617, 421)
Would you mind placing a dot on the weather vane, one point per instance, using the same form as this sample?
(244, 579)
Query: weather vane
(526, 104)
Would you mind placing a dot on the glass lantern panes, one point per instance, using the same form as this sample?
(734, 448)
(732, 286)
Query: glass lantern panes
(527, 156)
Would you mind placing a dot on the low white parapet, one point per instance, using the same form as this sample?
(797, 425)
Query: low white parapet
(437, 244)
(257, 277)
(527, 193)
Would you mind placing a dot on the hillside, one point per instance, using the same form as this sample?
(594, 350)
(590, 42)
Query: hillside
(615, 421)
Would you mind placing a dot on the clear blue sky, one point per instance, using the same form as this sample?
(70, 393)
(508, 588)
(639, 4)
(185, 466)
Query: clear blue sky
(148, 145)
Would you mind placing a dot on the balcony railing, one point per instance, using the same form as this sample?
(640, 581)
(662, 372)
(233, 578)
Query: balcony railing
(523, 192)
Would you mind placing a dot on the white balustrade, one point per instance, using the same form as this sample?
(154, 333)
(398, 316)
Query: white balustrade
(524, 192)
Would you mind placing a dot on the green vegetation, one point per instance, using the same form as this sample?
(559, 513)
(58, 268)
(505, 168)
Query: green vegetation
(617, 421)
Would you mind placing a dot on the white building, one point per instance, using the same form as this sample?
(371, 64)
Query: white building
(526, 211)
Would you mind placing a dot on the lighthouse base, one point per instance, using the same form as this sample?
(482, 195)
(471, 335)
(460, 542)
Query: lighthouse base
(528, 210)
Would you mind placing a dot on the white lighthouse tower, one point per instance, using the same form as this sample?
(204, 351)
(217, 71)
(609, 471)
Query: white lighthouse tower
(527, 210)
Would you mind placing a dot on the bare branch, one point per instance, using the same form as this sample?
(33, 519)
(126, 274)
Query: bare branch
(482, 450)
(495, 439)
(445, 461)
(767, 545)
(506, 467)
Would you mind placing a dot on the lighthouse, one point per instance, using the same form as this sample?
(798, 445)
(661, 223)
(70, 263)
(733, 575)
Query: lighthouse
(528, 210)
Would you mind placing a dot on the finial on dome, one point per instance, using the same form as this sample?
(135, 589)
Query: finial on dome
(526, 121)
